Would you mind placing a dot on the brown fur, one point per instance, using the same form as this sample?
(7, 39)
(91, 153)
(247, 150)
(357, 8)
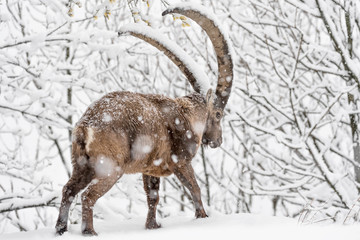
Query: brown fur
(126, 132)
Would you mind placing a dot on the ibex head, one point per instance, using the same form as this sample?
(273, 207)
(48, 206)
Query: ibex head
(215, 104)
(212, 135)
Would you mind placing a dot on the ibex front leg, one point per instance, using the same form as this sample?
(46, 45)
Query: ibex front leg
(151, 187)
(187, 177)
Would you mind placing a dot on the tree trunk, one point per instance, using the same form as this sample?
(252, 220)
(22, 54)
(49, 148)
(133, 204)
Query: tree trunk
(354, 124)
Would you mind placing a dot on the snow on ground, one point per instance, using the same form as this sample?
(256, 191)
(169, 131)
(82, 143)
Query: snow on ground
(237, 226)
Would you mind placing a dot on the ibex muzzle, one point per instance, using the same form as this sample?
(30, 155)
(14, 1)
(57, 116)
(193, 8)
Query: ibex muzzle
(125, 133)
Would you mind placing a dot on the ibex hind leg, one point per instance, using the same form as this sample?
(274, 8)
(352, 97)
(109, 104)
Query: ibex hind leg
(97, 188)
(80, 178)
(151, 187)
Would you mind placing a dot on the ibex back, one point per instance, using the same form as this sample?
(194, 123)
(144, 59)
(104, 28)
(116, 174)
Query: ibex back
(125, 133)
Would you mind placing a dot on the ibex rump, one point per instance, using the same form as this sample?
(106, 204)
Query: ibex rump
(124, 133)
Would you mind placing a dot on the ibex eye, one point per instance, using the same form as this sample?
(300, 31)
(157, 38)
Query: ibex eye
(218, 115)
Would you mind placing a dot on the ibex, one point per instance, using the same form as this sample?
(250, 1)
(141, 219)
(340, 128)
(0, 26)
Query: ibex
(126, 133)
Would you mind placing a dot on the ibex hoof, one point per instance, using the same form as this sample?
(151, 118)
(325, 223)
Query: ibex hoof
(60, 229)
(201, 214)
(152, 225)
(89, 232)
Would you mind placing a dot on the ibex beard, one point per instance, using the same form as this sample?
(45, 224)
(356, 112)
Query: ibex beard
(126, 133)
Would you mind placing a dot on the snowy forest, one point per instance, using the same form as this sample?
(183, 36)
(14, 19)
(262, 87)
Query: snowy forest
(291, 137)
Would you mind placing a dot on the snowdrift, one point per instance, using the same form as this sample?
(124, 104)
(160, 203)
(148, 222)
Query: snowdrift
(239, 226)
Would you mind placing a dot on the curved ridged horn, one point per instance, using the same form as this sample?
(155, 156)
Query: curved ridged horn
(225, 65)
(197, 78)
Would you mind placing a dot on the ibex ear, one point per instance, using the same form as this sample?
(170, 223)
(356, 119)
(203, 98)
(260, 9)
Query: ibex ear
(209, 98)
